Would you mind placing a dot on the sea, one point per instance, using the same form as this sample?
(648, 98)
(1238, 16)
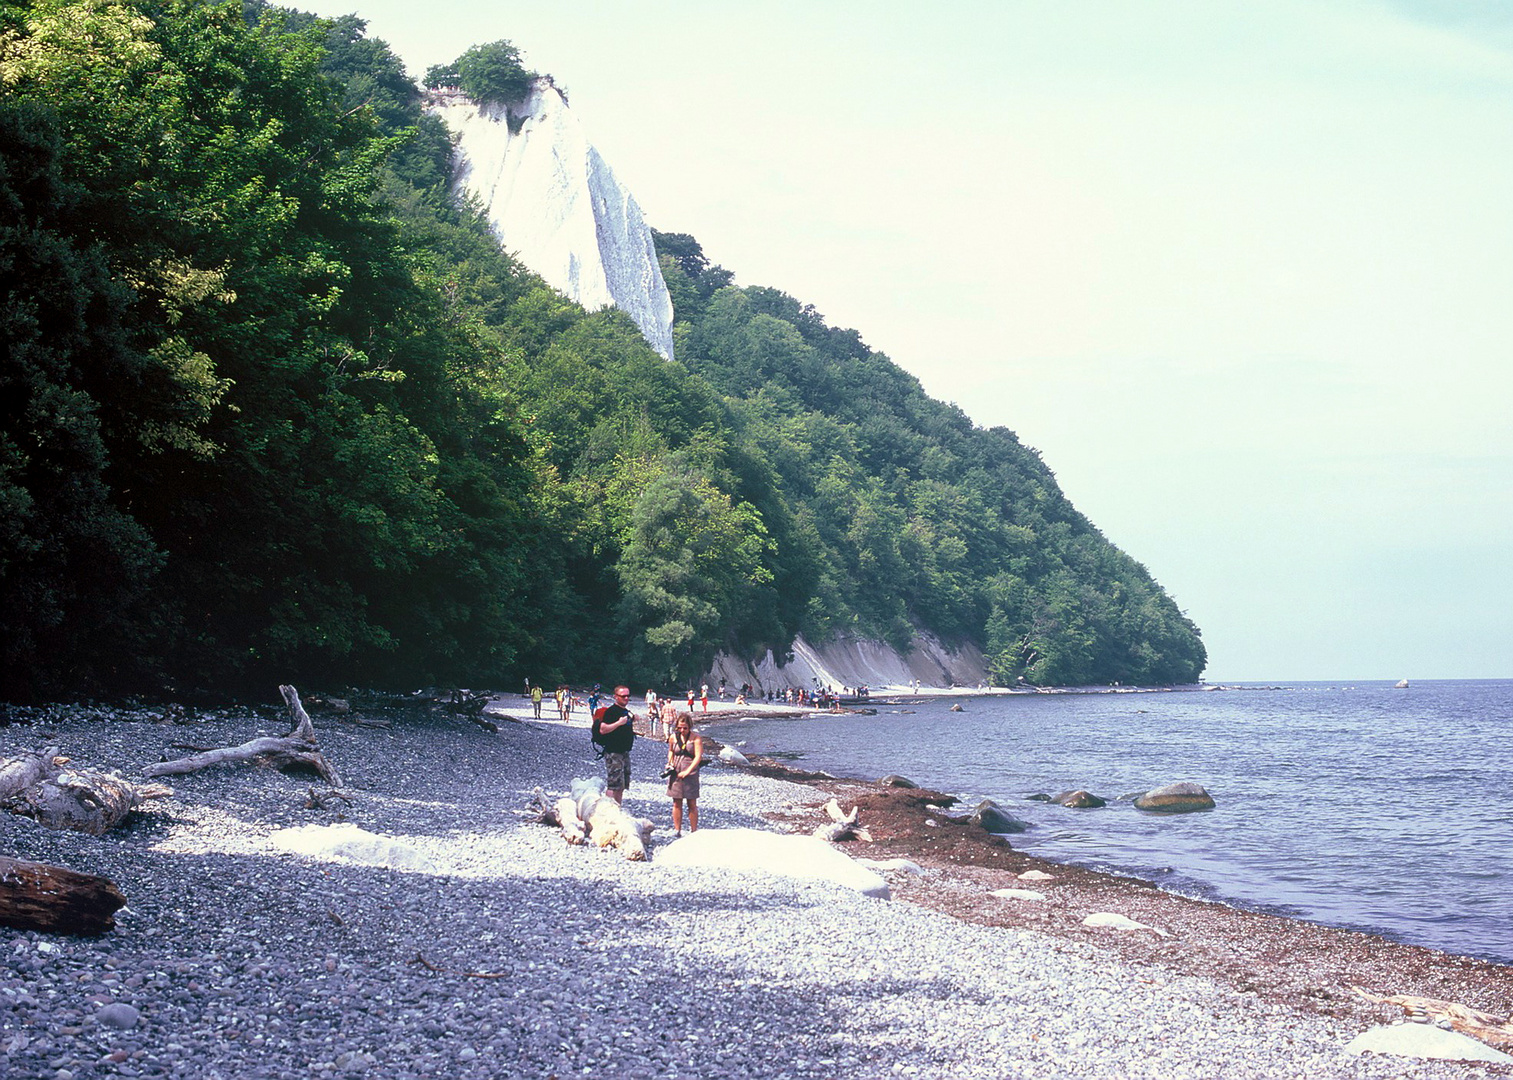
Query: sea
(1354, 804)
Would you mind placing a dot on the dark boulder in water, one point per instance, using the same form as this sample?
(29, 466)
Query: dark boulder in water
(995, 819)
(1079, 800)
(894, 780)
(1176, 799)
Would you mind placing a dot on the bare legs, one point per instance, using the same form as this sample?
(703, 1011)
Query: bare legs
(677, 815)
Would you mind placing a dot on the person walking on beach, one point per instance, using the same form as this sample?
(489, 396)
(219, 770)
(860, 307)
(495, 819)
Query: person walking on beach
(685, 753)
(617, 735)
(536, 700)
(704, 696)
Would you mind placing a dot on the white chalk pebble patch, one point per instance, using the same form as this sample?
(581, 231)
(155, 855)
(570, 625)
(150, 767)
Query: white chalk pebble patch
(1424, 1041)
(1019, 894)
(1111, 921)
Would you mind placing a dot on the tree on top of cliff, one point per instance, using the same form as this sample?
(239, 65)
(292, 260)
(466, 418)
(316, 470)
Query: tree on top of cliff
(492, 73)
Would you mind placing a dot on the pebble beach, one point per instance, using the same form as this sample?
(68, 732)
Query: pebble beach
(491, 948)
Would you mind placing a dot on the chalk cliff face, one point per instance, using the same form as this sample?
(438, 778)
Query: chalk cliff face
(557, 206)
(850, 661)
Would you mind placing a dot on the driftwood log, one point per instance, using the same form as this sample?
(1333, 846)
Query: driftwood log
(590, 816)
(35, 896)
(1493, 1030)
(842, 826)
(38, 786)
(297, 751)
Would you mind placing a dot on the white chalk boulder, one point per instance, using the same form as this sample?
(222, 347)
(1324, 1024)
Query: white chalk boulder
(783, 854)
(1424, 1041)
(348, 843)
(731, 756)
(1019, 894)
(1110, 920)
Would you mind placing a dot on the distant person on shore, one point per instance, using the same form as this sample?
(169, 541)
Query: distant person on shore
(685, 753)
(536, 700)
(618, 734)
(690, 700)
(704, 696)
(564, 703)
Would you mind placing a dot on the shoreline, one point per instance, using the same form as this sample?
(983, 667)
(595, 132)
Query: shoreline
(504, 950)
(1281, 959)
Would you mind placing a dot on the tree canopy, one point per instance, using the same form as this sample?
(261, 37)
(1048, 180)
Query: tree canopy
(274, 405)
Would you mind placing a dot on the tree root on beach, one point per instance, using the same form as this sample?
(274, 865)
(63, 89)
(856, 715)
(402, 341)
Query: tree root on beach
(37, 786)
(470, 706)
(1493, 1030)
(539, 811)
(35, 896)
(294, 752)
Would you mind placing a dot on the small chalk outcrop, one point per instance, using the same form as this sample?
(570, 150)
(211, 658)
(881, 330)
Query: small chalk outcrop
(780, 854)
(1424, 1041)
(348, 843)
(729, 755)
(1176, 799)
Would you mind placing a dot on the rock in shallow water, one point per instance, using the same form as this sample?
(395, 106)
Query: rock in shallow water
(1176, 799)
(1079, 800)
(996, 819)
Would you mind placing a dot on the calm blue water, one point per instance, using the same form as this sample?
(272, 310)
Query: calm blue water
(1356, 805)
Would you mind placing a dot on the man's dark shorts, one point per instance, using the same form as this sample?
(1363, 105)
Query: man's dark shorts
(617, 768)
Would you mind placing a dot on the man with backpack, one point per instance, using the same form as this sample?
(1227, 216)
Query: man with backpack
(614, 733)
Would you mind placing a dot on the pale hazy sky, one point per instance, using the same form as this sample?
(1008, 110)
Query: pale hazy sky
(1242, 272)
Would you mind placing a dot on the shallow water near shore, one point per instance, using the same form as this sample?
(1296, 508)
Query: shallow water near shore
(1352, 804)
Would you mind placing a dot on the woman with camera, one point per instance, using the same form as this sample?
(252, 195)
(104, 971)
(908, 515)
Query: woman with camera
(685, 753)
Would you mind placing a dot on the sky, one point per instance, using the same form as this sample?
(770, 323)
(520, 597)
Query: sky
(1242, 273)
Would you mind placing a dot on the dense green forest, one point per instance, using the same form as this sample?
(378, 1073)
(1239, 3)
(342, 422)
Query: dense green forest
(274, 407)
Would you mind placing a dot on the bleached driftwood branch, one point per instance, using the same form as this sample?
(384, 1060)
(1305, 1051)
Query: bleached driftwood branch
(842, 826)
(1493, 1030)
(296, 751)
(591, 815)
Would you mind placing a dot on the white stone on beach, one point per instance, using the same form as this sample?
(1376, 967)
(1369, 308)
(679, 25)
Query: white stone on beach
(905, 865)
(731, 756)
(1036, 875)
(348, 843)
(1424, 1041)
(1112, 921)
(1019, 894)
(755, 850)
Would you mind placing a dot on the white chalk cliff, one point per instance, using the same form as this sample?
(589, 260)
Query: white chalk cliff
(556, 205)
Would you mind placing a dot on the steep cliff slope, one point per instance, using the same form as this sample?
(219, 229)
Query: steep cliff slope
(556, 204)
